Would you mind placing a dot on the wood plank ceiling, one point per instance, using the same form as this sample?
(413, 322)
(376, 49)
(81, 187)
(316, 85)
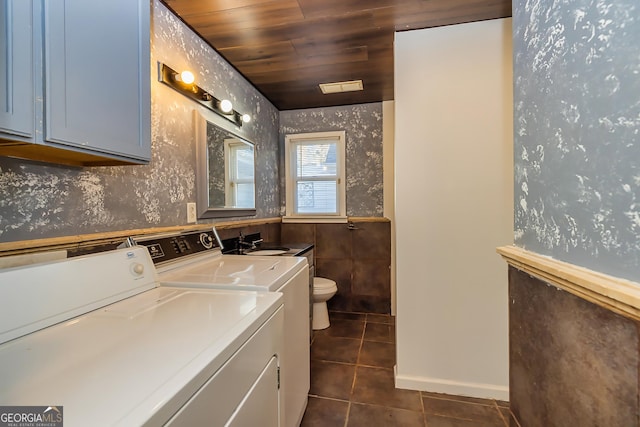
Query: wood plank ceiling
(286, 48)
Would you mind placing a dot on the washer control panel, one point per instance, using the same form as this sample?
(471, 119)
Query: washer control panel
(170, 247)
(137, 269)
(206, 240)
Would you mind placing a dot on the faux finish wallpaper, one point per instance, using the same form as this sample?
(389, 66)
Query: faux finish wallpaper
(40, 200)
(363, 126)
(577, 132)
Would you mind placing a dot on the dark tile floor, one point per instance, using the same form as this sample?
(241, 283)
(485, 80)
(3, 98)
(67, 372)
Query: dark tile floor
(352, 383)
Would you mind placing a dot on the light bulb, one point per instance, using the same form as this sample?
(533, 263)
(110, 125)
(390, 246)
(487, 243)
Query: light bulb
(187, 77)
(246, 118)
(226, 106)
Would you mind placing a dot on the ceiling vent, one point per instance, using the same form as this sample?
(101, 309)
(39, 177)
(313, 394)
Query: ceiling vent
(337, 87)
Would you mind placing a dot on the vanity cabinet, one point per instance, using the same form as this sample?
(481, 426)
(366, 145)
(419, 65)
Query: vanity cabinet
(75, 81)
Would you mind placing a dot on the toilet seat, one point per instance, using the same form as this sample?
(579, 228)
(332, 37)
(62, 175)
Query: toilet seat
(321, 284)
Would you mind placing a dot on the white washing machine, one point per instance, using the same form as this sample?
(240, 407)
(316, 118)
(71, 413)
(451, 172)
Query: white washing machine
(195, 260)
(99, 342)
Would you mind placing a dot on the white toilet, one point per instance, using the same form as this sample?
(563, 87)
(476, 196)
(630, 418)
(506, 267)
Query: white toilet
(323, 290)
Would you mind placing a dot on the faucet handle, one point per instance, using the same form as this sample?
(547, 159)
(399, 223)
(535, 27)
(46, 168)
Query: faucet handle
(128, 243)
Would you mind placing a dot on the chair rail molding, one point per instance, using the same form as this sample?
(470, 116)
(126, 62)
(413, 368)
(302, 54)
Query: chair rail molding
(619, 295)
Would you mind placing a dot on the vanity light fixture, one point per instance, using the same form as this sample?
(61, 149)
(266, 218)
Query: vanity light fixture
(186, 77)
(226, 106)
(185, 84)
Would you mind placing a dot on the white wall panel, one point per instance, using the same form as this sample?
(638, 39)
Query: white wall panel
(454, 206)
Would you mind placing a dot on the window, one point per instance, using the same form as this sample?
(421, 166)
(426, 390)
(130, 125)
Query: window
(315, 171)
(239, 183)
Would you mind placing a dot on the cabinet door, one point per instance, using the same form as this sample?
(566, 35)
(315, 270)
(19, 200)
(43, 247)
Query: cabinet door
(16, 68)
(260, 405)
(97, 75)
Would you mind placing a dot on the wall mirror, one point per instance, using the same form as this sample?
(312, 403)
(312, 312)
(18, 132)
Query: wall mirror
(225, 172)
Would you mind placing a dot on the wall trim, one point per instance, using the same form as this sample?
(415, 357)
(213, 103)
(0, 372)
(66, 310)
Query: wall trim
(619, 295)
(368, 219)
(79, 241)
(88, 240)
(459, 388)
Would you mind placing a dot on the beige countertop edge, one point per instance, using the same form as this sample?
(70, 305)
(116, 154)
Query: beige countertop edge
(83, 240)
(78, 240)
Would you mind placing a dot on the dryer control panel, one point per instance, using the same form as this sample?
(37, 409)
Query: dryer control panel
(168, 247)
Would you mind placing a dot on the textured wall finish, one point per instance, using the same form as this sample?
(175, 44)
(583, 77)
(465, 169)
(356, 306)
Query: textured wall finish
(363, 126)
(577, 132)
(38, 201)
(572, 363)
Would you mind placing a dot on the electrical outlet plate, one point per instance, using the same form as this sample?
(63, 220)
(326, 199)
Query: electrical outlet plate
(192, 215)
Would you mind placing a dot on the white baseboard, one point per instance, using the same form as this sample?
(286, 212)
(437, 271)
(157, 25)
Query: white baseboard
(439, 385)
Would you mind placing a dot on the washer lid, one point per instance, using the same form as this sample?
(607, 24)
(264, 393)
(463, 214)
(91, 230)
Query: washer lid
(234, 272)
(33, 297)
(134, 361)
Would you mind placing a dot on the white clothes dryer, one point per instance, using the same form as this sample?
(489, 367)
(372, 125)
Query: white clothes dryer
(195, 259)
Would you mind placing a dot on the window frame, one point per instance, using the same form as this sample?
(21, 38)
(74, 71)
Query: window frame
(291, 142)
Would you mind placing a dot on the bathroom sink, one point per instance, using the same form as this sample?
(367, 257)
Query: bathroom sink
(268, 252)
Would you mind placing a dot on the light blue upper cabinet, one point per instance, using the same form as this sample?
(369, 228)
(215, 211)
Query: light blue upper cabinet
(17, 115)
(90, 98)
(97, 75)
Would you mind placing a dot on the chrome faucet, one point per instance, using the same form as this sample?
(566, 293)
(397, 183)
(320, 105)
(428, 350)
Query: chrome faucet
(251, 245)
(128, 243)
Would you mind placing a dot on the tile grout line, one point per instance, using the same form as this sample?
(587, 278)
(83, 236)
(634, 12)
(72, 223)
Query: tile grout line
(355, 373)
(424, 413)
(512, 416)
(335, 399)
(495, 404)
(364, 331)
(346, 419)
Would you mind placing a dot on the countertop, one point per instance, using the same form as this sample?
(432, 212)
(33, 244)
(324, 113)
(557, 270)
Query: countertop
(293, 249)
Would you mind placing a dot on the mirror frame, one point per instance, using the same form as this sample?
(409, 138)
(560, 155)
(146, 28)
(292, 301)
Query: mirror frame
(202, 172)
